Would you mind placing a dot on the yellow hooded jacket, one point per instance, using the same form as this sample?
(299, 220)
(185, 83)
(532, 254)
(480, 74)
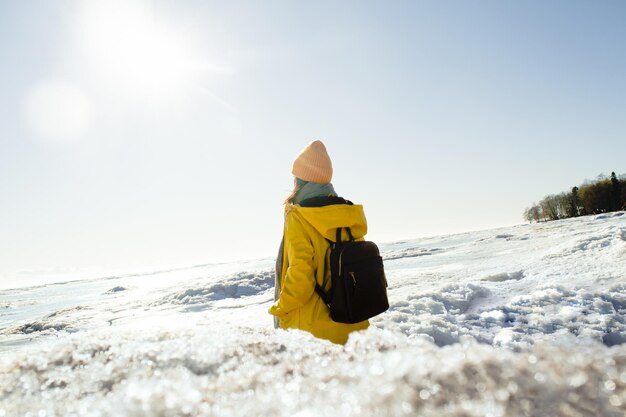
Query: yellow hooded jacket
(305, 261)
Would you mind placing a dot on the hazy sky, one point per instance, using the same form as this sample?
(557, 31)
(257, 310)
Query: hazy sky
(153, 133)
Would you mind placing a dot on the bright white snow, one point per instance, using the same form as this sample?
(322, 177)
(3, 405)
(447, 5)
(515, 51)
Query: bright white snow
(521, 321)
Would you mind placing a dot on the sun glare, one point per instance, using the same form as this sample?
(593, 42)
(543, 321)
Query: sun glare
(133, 51)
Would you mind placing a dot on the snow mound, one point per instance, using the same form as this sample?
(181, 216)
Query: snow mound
(504, 276)
(605, 239)
(505, 236)
(115, 290)
(248, 372)
(54, 322)
(437, 315)
(609, 215)
(410, 253)
(66, 311)
(551, 312)
(600, 316)
(39, 326)
(242, 284)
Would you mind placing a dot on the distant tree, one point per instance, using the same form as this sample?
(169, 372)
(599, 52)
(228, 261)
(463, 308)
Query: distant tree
(616, 193)
(527, 216)
(548, 211)
(553, 207)
(622, 183)
(533, 213)
(574, 204)
(596, 197)
(563, 203)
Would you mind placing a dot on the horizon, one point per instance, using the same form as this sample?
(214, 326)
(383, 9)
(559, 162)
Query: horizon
(143, 132)
(58, 276)
(46, 277)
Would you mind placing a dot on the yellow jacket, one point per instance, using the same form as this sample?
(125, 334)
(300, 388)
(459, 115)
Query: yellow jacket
(305, 261)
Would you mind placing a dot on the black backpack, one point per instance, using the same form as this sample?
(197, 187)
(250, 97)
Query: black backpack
(359, 285)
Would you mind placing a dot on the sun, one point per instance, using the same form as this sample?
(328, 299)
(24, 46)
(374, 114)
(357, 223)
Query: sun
(130, 49)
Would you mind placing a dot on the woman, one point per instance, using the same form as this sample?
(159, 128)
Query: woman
(313, 212)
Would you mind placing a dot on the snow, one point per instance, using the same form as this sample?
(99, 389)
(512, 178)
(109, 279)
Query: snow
(521, 321)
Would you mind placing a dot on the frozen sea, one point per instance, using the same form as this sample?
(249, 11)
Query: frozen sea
(521, 321)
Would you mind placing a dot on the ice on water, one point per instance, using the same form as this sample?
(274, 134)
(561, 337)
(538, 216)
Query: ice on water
(521, 321)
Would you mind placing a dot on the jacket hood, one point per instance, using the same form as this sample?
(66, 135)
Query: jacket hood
(327, 219)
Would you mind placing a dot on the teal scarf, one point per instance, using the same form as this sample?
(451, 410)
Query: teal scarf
(312, 189)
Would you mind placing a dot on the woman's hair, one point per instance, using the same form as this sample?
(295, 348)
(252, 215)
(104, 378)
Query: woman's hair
(297, 185)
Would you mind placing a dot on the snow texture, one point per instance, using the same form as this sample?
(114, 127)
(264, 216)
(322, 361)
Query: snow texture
(521, 321)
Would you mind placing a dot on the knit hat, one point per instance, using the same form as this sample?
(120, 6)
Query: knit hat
(313, 164)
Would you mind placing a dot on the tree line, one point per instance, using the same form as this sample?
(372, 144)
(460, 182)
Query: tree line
(600, 196)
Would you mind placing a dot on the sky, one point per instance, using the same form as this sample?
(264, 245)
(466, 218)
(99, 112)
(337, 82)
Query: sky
(144, 134)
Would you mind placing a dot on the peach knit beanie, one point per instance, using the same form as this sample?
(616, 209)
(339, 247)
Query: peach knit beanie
(313, 164)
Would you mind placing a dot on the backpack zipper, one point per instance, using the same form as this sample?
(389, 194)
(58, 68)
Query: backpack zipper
(340, 256)
(353, 278)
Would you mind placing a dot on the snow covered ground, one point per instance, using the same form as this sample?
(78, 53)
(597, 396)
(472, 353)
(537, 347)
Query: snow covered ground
(521, 321)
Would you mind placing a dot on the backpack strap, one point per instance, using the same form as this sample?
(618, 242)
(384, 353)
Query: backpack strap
(338, 236)
(323, 295)
(327, 298)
